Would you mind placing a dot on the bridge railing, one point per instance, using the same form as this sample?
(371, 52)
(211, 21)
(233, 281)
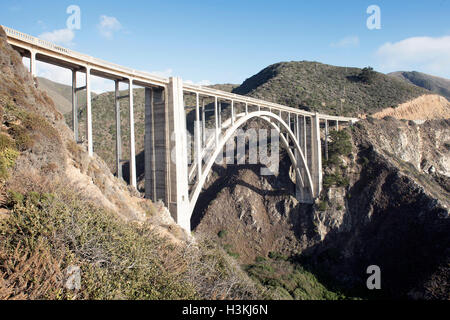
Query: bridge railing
(33, 41)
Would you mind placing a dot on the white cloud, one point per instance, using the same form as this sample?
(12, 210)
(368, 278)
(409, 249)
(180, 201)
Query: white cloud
(347, 42)
(169, 73)
(108, 25)
(164, 74)
(62, 36)
(426, 54)
(200, 83)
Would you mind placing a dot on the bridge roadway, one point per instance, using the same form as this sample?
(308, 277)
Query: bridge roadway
(168, 175)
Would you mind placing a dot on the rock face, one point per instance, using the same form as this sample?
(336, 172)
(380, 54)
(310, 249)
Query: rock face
(393, 214)
(396, 216)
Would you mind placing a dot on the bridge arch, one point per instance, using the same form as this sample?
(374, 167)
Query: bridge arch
(268, 117)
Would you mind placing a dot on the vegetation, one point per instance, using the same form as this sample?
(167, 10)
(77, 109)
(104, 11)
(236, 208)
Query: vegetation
(367, 75)
(289, 281)
(46, 233)
(340, 144)
(328, 89)
(435, 84)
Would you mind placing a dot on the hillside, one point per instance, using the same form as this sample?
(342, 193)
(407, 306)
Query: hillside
(426, 107)
(327, 89)
(62, 95)
(435, 84)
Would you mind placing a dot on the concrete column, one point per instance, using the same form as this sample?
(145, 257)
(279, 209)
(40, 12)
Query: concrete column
(179, 189)
(133, 180)
(316, 164)
(197, 135)
(305, 140)
(232, 112)
(220, 116)
(89, 113)
(246, 108)
(337, 125)
(289, 125)
(216, 116)
(74, 106)
(33, 63)
(203, 123)
(326, 139)
(118, 131)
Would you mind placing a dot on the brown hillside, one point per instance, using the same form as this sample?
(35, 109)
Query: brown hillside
(426, 107)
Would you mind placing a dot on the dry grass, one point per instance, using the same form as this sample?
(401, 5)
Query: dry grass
(29, 273)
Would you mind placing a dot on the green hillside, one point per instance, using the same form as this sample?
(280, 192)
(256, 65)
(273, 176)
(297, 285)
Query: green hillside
(435, 84)
(328, 89)
(61, 94)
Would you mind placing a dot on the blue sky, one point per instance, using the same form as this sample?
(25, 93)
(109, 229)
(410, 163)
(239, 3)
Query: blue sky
(214, 41)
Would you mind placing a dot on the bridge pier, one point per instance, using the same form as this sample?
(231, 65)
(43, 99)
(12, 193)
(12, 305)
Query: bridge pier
(118, 131)
(316, 153)
(33, 63)
(166, 167)
(89, 113)
(74, 105)
(133, 179)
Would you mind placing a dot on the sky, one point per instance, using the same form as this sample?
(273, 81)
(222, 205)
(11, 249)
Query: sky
(214, 41)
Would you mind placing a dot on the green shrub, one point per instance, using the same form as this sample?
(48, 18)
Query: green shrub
(340, 145)
(117, 259)
(277, 256)
(8, 158)
(323, 205)
(367, 75)
(335, 179)
(222, 234)
(21, 136)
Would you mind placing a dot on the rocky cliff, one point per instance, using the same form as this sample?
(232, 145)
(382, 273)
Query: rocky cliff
(391, 211)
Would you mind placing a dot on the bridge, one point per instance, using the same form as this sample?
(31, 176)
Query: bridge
(169, 176)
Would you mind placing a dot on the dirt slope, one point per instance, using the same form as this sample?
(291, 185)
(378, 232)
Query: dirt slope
(426, 107)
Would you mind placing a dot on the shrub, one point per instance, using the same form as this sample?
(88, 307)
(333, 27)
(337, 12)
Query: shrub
(367, 75)
(277, 256)
(21, 136)
(8, 158)
(340, 145)
(118, 260)
(222, 234)
(335, 179)
(323, 205)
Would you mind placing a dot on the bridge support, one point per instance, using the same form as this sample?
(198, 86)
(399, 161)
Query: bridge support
(133, 180)
(303, 192)
(316, 156)
(74, 105)
(166, 167)
(33, 63)
(89, 113)
(157, 152)
(118, 131)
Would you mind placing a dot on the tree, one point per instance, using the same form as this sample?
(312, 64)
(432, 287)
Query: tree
(367, 75)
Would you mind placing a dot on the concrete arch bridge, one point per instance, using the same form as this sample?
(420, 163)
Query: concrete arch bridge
(169, 175)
